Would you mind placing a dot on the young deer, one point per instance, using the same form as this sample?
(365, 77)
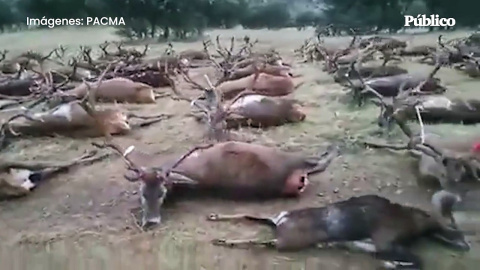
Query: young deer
(18, 179)
(369, 223)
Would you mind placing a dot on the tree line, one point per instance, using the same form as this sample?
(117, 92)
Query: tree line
(167, 19)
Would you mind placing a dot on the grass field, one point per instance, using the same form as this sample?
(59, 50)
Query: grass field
(83, 220)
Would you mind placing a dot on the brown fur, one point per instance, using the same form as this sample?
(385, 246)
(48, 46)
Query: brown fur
(118, 89)
(236, 165)
(271, 111)
(265, 84)
(80, 123)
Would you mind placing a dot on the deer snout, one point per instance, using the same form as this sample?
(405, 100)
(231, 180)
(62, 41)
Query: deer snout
(296, 183)
(297, 114)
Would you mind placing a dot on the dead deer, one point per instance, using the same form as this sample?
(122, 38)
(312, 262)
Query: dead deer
(18, 179)
(3, 55)
(345, 73)
(432, 108)
(196, 54)
(447, 161)
(389, 86)
(443, 55)
(234, 170)
(368, 223)
(235, 73)
(418, 50)
(119, 90)
(264, 84)
(471, 67)
(246, 109)
(75, 118)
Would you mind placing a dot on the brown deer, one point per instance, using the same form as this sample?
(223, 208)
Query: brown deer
(432, 108)
(75, 118)
(447, 161)
(344, 73)
(264, 84)
(18, 179)
(471, 67)
(118, 90)
(369, 223)
(246, 109)
(389, 86)
(234, 170)
(418, 50)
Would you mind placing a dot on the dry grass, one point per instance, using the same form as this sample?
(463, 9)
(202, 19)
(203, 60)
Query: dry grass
(83, 221)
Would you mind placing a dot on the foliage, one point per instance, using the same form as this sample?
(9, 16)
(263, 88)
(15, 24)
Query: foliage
(307, 18)
(167, 19)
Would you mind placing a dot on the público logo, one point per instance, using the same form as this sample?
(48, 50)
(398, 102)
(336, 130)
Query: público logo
(426, 21)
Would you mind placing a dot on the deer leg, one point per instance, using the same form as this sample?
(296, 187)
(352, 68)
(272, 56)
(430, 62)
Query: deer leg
(220, 217)
(398, 257)
(321, 163)
(88, 157)
(272, 243)
(149, 120)
(384, 145)
(393, 255)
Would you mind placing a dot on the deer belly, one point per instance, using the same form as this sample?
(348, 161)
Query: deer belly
(346, 225)
(262, 113)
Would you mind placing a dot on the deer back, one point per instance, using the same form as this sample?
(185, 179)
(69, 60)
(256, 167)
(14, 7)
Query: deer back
(236, 165)
(275, 70)
(265, 84)
(119, 89)
(420, 50)
(194, 55)
(262, 111)
(70, 117)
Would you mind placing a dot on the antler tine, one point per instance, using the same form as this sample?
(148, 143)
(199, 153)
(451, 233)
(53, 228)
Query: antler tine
(189, 80)
(440, 43)
(88, 102)
(124, 153)
(419, 87)
(232, 44)
(186, 155)
(218, 97)
(174, 88)
(219, 46)
(366, 87)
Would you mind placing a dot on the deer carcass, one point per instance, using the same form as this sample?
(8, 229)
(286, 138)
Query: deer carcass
(447, 161)
(369, 223)
(18, 179)
(433, 109)
(254, 110)
(389, 86)
(117, 89)
(419, 50)
(265, 84)
(471, 67)
(231, 169)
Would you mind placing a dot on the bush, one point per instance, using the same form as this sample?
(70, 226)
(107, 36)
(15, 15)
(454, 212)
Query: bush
(307, 18)
(272, 16)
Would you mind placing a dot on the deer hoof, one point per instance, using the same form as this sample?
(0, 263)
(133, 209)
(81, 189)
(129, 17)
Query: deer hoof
(213, 217)
(219, 242)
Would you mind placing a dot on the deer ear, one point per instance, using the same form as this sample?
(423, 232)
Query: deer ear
(132, 176)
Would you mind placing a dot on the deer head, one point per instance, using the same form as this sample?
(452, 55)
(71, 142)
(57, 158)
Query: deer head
(155, 182)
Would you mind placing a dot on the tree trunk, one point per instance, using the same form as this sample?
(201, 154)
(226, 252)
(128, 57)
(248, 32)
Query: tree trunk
(166, 32)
